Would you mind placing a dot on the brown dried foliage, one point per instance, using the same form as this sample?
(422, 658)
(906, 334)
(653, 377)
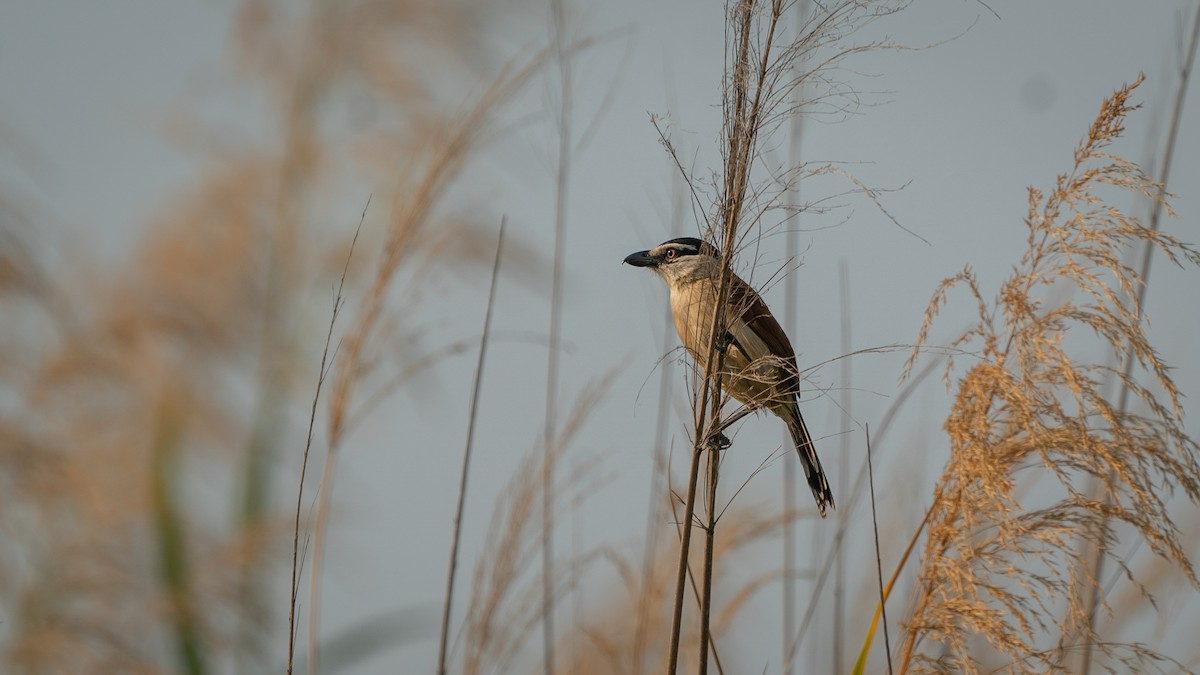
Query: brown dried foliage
(1031, 430)
(604, 642)
(506, 602)
(146, 408)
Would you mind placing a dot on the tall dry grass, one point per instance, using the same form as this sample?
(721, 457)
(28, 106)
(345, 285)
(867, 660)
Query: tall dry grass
(607, 640)
(148, 508)
(150, 407)
(1034, 426)
(773, 73)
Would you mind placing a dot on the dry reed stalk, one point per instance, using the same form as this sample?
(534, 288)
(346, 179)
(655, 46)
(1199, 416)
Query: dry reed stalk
(322, 373)
(761, 83)
(506, 599)
(843, 516)
(660, 478)
(887, 641)
(562, 56)
(609, 644)
(117, 558)
(411, 212)
(1162, 175)
(740, 127)
(471, 422)
(1031, 409)
(860, 484)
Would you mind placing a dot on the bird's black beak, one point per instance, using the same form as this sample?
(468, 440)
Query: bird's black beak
(641, 259)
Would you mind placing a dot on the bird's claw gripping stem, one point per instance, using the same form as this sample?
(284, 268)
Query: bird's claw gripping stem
(718, 442)
(724, 341)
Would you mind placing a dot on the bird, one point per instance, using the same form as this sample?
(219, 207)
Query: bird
(759, 367)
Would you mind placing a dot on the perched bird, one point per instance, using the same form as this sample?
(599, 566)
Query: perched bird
(759, 366)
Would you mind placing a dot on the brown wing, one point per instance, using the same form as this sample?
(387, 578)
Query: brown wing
(758, 317)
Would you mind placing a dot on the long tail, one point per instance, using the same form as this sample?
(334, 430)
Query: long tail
(811, 463)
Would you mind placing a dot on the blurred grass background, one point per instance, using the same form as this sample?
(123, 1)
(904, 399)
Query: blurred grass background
(173, 227)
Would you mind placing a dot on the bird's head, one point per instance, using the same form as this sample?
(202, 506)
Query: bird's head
(677, 259)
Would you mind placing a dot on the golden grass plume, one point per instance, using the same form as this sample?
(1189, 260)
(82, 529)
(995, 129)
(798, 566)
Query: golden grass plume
(1032, 429)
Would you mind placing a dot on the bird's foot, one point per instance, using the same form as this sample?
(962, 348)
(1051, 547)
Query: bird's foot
(724, 341)
(718, 442)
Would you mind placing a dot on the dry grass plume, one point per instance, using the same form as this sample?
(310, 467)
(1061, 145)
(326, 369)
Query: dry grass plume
(1032, 427)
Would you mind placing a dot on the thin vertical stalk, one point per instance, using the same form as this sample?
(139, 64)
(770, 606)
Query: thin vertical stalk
(905, 395)
(839, 575)
(650, 547)
(562, 180)
(462, 484)
(742, 122)
(689, 512)
(320, 527)
(710, 387)
(887, 640)
(789, 479)
(322, 373)
(860, 666)
(1164, 174)
(295, 174)
(714, 468)
(791, 299)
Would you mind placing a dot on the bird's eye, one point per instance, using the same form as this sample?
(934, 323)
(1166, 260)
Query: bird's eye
(671, 253)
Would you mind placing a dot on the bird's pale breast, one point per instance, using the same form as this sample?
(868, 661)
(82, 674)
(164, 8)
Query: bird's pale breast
(753, 374)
